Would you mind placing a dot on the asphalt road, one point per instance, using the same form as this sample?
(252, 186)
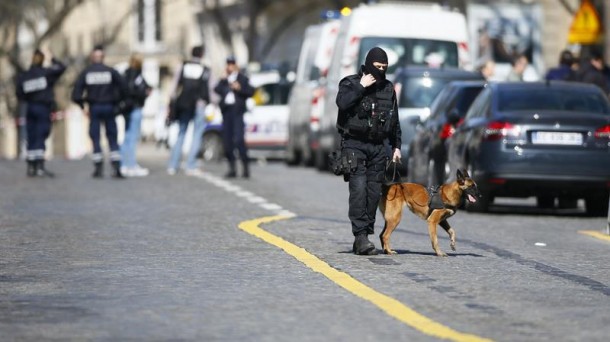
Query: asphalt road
(268, 259)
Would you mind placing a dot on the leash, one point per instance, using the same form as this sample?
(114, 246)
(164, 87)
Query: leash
(390, 164)
(394, 166)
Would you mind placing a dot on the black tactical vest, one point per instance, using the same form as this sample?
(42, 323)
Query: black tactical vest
(371, 118)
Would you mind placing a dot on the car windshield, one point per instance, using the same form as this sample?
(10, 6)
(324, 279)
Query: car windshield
(405, 51)
(419, 92)
(552, 99)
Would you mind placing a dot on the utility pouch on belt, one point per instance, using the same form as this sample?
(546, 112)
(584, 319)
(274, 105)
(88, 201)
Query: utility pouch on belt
(342, 163)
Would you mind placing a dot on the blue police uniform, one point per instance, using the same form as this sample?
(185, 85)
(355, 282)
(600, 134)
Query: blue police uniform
(233, 126)
(35, 89)
(103, 89)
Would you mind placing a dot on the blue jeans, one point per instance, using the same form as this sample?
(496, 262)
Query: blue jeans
(199, 125)
(132, 137)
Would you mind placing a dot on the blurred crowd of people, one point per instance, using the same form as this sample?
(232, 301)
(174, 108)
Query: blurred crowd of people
(591, 69)
(103, 93)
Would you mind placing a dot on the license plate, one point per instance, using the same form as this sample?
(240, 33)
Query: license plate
(556, 138)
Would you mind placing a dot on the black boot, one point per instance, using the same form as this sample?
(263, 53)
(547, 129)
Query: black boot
(362, 245)
(99, 170)
(246, 170)
(231, 173)
(116, 169)
(42, 171)
(31, 168)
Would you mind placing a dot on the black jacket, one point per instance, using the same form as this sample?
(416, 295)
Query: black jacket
(99, 84)
(36, 84)
(137, 88)
(589, 74)
(246, 91)
(349, 99)
(192, 86)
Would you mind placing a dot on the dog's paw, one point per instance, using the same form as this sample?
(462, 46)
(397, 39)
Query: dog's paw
(441, 254)
(453, 246)
(389, 252)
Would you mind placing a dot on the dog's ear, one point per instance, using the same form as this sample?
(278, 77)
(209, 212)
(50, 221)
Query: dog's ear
(460, 177)
(465, 173)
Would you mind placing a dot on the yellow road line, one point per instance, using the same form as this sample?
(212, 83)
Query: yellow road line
(596, 234)
(388, 304)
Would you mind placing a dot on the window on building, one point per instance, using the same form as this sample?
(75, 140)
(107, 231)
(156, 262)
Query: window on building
(150, 21)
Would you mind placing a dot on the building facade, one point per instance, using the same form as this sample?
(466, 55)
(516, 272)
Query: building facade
(164, 31)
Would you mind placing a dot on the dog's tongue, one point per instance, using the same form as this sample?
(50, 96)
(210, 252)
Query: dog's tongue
(471, 198)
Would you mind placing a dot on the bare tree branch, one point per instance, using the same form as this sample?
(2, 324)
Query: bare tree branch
(567, 7)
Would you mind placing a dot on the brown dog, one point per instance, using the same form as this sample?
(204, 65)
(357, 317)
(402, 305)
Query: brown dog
(418, 199)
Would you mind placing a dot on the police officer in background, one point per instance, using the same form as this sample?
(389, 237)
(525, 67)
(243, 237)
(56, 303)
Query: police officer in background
(234, 89)
(103, 89)
(367, 122)
(35, 88)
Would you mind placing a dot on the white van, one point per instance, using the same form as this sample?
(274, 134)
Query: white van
(411, 34)
(314, 60)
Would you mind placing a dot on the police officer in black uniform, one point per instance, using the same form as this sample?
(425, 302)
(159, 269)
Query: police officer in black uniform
(103, 89)
(234, 90)
(35, 88)
(368, 124)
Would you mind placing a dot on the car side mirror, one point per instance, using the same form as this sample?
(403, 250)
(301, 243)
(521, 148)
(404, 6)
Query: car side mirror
(453, 117)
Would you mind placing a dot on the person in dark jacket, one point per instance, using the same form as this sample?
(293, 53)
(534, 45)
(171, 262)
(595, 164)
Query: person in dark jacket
(234, 90)
(35, 89)
(368, 123)
(137, 92)
(191, 92)
(563, 71)
(592, 72)
(103, 89)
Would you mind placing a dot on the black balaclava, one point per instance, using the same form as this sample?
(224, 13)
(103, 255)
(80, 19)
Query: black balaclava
(375, 54)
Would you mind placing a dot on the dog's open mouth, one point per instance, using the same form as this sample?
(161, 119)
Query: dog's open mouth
(471, 198)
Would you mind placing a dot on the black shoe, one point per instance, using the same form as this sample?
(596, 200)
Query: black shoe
(42, 171)
(31, 168)
(230, 174)
(362, 245)
(99, 170)
(246, 170)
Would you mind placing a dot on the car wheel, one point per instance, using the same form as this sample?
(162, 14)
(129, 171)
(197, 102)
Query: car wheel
(211, 148)
(447, 172)
(545, 202)
(321, 162)
(292, 156)
(410, 169)
(597, 205)
(432, 177)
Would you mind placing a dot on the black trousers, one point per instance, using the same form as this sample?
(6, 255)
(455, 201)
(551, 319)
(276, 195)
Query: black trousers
(38, 129)
(103, 114)
(365, 183)
(233, 135)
